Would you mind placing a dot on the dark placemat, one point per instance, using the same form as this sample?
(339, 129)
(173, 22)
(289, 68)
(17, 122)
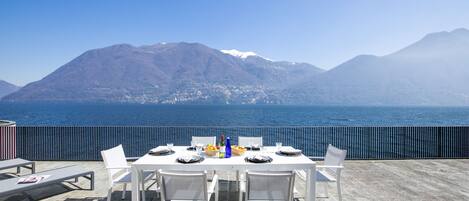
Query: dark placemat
(253, 148)
(161, 153)
(287, 154)
(268, 159)
(193, 149)
(194, 160)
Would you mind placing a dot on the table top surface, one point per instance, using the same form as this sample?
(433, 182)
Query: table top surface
(170, 160)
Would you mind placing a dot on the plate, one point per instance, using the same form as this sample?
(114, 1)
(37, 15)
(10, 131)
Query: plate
(165, 153)
(253, 148)
(193, 149)
(287, 154)
(258, 159)
(290, 151)
(193, 159)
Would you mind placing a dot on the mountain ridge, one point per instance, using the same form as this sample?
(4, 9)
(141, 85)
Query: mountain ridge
(433, 71)
(163, 73)
(7, 88)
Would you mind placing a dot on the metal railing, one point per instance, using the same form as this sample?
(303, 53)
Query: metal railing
(85, 143)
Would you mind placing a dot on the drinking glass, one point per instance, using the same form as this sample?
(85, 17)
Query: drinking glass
(198, 148)
(170, 146)
(278, 145)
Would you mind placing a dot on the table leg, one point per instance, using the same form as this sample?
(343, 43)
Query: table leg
(311, 184)
(135, 184)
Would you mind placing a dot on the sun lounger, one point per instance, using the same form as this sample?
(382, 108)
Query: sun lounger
(10, 186)
(18, 163)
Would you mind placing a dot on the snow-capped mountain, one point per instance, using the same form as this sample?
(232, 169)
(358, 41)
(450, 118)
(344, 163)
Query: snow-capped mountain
(237, 53)
(165, 73)
(432, 71)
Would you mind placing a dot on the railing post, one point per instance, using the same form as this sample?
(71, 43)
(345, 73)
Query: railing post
(439, 142)
(368, 133)
(404, 131)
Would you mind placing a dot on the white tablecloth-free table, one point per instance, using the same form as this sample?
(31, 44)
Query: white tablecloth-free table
(279, 163)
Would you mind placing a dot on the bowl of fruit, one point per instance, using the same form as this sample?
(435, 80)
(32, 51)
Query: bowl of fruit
(211, 150)
(238, 150)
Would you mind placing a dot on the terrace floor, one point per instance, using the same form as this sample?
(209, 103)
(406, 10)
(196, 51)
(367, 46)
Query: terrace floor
(362, 180)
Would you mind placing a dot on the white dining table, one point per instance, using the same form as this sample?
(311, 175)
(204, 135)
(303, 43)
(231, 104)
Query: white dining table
(235, 163)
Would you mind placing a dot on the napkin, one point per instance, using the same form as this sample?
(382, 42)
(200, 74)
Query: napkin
(189, 158)
(258, 158)
(254, 147)
(290, 150)
(186, 158)
(159, 150)
(32, 179)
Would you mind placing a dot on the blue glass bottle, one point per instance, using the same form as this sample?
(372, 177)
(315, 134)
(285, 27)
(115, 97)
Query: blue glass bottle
(228, 148)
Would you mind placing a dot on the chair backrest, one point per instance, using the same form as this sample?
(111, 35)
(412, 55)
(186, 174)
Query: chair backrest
(114, 157)
(269, 185)
(204, 140)
(183, 185)
(334, 157)
(248, 141)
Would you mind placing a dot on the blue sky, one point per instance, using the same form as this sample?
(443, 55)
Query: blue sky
(37, 37)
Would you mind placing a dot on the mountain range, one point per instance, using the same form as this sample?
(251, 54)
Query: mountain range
(7, 88)
(166, 73)
(432, 71)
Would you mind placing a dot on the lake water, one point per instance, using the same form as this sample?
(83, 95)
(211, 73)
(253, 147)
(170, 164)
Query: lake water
(74, 114)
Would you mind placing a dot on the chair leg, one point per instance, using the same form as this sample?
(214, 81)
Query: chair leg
(216, 192)
(326, 191)
(240, 194)
(109, 194)
(157, 184)
(124, 189)
(143, 190)
(237, 180)
(339, 190)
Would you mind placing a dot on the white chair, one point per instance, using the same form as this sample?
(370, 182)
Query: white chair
(270, 185)
(204, 140)
(185, 185)
(249, 141)
(331, 170)
(119, 171)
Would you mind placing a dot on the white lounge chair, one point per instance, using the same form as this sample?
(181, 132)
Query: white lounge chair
(270, 185)
(18, 163)
(204, 140)
(55, 176)
(119, 171)
(184, 185)
(331, 170)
